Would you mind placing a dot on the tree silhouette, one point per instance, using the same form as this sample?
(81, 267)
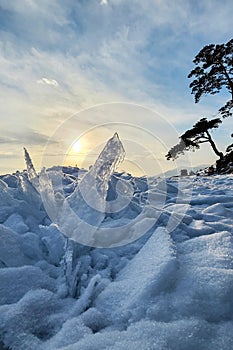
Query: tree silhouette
(230, 147)
(191, 139)
(225, 111)
(213, 71)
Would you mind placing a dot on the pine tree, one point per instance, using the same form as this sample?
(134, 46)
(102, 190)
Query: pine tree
(213, 71)
(191, 139)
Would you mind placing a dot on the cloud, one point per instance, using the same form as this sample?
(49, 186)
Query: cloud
(86, 54)
(104, 2)
(24, 137)
(47, 81)
(140, 51)
(8, 140)
(32, 137)
(5, 156)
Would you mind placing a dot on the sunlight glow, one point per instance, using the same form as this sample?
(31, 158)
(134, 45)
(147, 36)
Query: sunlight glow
(77, 146)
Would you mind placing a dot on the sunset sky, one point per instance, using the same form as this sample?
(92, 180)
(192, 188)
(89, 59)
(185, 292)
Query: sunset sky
(83, 69)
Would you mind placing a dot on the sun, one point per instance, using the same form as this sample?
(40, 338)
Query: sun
(77, 146)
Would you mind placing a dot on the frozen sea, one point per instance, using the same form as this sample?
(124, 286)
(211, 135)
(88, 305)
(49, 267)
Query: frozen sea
(165, 282)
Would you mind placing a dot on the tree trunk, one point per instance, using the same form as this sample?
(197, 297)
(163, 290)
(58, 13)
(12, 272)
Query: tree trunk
(216, 151)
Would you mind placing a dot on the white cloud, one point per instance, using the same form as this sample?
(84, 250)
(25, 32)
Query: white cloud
(131, 50)
(104, 2)
(47, 81)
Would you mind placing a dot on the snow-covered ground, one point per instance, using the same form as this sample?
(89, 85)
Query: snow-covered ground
(170, 289)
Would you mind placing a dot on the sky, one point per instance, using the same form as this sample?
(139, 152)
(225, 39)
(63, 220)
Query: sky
(80, 70)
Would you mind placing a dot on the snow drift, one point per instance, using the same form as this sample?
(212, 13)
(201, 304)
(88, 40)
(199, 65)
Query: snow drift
(170, 289)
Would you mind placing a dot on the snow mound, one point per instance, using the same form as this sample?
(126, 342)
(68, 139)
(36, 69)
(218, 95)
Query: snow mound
(16, 282)
(169, 289)
(143, 277)
(11, 252)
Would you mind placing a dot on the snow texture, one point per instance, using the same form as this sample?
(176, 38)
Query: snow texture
(168, 290)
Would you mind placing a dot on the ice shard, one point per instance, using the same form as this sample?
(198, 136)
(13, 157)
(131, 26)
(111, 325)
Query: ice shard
(32, 175)
(80, 215)
(92, 190)
(89, 199)
(107, 162)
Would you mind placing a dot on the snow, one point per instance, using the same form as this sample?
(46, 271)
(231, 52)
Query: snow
(150, 269)
(13, 248)
(16, 282)
(166, 284)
